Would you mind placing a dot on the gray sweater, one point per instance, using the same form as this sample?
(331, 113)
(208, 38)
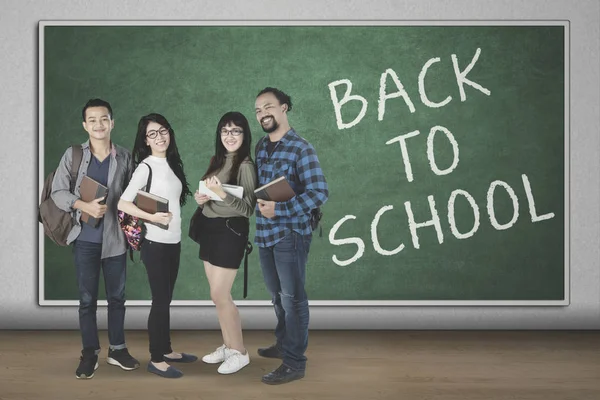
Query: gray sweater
(113, 239)
(231, 206)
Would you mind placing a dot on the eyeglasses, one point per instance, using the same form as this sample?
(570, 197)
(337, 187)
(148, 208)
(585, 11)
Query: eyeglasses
(234, 132)
(153, 134)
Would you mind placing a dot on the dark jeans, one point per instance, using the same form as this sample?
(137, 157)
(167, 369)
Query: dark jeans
(162, 265)
(283, 266)
(87, 265)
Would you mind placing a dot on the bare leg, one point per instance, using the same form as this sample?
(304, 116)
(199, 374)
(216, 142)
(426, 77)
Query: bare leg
(221, 281)
(209, 270)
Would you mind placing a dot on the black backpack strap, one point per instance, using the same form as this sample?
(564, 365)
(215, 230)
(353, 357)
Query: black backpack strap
(258, 145)
(147, 188)
(248, 251)
(149, 181)
(76, 159)
(318, 215)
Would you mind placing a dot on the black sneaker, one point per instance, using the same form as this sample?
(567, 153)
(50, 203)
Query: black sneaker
(283, 374)
(272, 351)
(123, 359)
(88, 363)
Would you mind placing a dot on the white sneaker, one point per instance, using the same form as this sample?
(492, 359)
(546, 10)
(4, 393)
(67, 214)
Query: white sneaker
(217, 356)
(234, 362)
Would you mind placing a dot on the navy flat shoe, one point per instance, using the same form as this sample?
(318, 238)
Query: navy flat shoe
(185, 358)
(171, 372)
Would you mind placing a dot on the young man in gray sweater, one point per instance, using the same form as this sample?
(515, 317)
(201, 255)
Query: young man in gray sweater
(100, 248)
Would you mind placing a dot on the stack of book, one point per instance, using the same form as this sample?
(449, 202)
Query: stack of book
(237, 191)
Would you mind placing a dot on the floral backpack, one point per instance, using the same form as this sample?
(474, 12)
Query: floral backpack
(134, 227)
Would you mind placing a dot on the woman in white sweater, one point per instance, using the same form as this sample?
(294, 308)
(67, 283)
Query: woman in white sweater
(155, 152)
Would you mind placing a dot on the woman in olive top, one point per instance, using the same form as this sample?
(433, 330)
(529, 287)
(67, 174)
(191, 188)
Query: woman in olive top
(223, 232)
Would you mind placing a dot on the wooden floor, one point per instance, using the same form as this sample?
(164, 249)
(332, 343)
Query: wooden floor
(409, 365)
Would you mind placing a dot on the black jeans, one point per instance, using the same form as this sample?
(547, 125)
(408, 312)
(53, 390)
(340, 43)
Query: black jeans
(162, 265)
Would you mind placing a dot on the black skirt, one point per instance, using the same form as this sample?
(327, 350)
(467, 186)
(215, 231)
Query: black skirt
(223, 240)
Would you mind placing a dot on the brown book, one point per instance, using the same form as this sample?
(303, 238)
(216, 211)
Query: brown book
(276, 190)
(152, 204)
(91, 190)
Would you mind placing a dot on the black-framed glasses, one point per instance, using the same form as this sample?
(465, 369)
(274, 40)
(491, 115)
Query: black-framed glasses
(234, 132)
(152, 134)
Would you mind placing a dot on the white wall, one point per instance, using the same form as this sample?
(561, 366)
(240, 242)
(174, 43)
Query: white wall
(19, 184)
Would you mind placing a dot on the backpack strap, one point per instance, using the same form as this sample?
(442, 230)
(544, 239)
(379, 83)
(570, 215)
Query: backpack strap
(147, 188)
(317, 215)
(258, 145)
(247, 251)
(75, 164)
(149, 181)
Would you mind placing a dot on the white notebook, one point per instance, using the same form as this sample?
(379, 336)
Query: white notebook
(237, 191)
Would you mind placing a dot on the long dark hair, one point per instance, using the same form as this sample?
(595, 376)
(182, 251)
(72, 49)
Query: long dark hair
(218, 160)
(141, 150)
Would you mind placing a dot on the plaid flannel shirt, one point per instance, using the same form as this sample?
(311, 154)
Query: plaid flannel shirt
(297, 159)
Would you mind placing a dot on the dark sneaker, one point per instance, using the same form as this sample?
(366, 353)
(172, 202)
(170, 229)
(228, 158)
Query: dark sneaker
(283, 374)
(88, 363)
(123, 359)
(270, 352)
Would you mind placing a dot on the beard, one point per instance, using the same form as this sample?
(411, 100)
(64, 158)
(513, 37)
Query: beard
(273, 127)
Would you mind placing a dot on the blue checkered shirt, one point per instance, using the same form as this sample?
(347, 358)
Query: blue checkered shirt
(297, 159)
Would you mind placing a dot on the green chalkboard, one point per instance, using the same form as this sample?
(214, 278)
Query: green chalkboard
(469, 120)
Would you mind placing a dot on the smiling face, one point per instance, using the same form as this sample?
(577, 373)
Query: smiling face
(269, 112)
(232, 137)
(158, 138)
(98, 123)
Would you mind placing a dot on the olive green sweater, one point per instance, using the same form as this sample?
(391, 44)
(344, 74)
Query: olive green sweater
(231, 206)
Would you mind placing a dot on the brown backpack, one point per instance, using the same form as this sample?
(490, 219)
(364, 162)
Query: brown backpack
(58, 223)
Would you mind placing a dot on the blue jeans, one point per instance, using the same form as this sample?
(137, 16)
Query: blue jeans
(87, 265)
(283, 267)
